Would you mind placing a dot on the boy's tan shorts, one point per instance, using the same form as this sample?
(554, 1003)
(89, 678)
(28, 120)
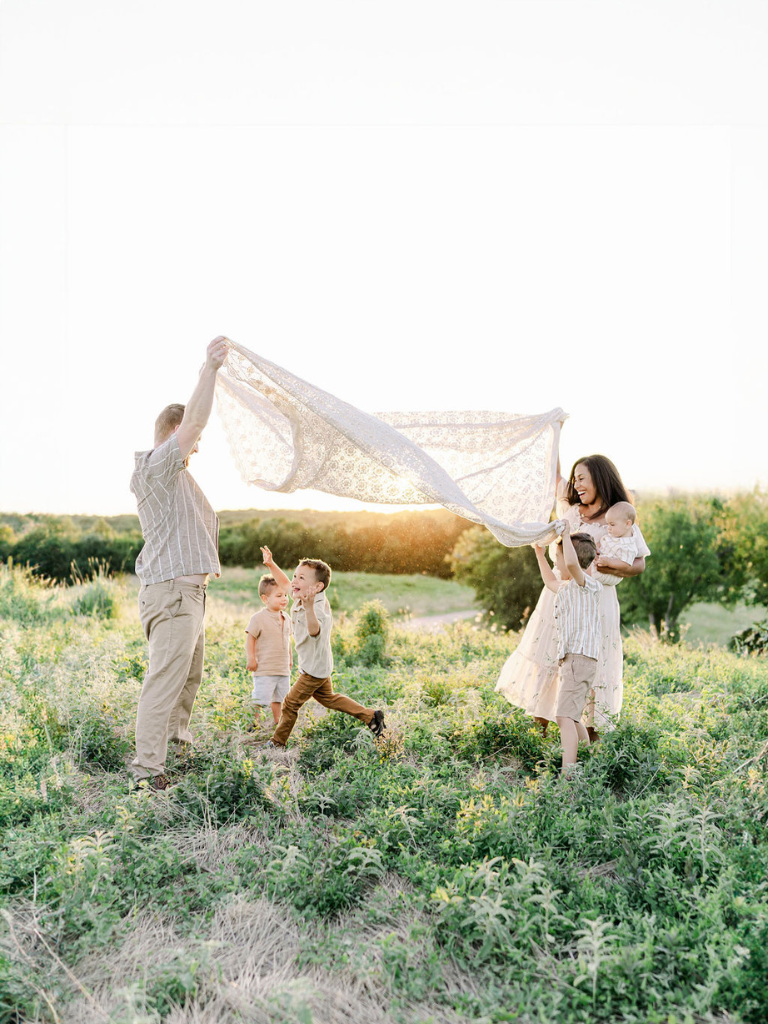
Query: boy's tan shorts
(577, 674)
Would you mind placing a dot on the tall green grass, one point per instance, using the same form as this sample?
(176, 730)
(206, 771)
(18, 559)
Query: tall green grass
(444, 873)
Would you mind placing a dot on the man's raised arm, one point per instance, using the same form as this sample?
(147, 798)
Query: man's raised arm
(198, 408)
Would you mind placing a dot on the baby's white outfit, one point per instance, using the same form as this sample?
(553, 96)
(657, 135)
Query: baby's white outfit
(624, 548)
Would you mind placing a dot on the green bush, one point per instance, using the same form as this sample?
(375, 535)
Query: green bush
(96, 742)
(691, 560)
(174, 985)
(99, 599)
(20, 998)
(224, 789)
(24, 597)
(371, 634)
(57, 549)
(752, 640)
(323, 881)
(507, 581)
(330, 739)
(503, 731)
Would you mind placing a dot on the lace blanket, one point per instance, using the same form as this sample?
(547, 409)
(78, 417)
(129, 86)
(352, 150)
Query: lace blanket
(493, 468)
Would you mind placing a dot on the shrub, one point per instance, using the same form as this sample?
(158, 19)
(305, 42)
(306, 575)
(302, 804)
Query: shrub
(630, 757)
(100, 598)
(99, 744)
(322, 881)
(329, 739)
(371, 634)
(176, 984)
(56, 547)
(752, 640)
(24, 597)
(506, 580)
(227, 789)
(691, 561)
(503, 731)
(403, 542)
(745, 528)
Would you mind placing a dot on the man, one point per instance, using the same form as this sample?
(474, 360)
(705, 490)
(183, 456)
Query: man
(181, 534)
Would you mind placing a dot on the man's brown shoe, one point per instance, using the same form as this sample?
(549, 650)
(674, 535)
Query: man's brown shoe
(158, 783)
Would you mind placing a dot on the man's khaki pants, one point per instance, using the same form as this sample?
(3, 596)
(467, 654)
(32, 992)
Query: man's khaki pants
(172, 615)
(322, 691)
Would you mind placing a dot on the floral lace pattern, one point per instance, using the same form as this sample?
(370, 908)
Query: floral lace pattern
(495, 469)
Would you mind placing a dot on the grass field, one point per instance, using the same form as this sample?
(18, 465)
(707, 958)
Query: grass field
(419, 596)
(415, 595)
(713, 624)
(442, 875)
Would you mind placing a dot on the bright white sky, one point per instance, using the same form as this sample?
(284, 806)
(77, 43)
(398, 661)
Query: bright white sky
(414, 204)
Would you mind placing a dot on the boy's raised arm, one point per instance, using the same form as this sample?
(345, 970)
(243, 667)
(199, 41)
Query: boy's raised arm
(571, 558)
(550, 580)
(277, 572)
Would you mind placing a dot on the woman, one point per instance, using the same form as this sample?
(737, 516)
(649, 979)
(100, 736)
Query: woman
(529, 678)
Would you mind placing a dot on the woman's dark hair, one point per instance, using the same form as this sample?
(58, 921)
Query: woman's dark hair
(606, 480)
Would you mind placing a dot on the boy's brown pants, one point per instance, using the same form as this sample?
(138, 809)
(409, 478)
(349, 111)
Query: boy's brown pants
(321, 689)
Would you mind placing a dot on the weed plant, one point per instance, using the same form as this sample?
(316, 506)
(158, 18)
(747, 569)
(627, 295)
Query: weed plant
(97, 593)
(371, 634)
(24, 597)
(443, 873)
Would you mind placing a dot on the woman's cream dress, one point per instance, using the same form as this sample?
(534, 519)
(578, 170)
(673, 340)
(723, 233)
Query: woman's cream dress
(529, 678)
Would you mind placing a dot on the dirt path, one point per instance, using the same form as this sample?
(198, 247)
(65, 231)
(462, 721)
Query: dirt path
(436, 623)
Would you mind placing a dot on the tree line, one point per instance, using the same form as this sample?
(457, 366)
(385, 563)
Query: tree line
(704, 548)
(62, 548)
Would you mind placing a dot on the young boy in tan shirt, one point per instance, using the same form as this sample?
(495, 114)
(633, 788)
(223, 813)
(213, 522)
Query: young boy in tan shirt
(268, 649)
(312, 623)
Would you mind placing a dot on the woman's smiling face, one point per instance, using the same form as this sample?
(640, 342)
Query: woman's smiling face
(582, 483)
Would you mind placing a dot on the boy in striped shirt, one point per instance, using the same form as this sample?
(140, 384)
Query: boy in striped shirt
(577, 621)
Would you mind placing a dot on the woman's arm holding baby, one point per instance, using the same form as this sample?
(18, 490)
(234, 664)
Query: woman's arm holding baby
(615, 566)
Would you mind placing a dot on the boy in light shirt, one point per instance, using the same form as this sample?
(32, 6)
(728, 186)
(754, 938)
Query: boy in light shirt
(577, 620)
(312, 624)
(268, 649)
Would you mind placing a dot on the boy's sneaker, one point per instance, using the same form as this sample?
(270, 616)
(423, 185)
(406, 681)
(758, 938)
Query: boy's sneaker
(270, 745)
(376, 724)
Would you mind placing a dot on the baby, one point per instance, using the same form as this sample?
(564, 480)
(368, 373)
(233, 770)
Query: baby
(618, 546)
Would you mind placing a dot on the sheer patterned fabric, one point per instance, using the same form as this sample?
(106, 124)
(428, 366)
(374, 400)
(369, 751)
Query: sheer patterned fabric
(496, 469)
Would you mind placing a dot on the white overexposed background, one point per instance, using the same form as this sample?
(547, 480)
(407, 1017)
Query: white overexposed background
(509, 205)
